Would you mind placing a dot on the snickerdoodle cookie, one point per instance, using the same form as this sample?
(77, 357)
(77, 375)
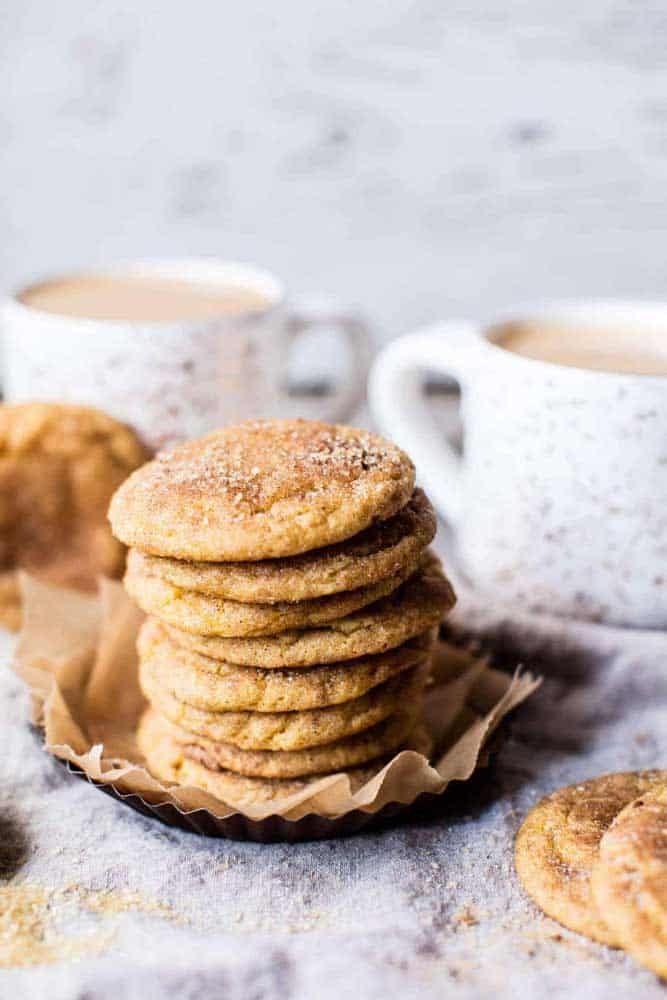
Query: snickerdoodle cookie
(630, 879)
(167, 761)
(206, 614)
(262, 490)
(384, 550)
(217, 686)
(558, 844)
(289, 730)
(387, 737)
(59, 466)
(418, 605)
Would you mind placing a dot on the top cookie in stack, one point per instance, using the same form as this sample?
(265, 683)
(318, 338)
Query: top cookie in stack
(292, 602)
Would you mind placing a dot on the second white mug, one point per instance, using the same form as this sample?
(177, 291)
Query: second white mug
(558, 501)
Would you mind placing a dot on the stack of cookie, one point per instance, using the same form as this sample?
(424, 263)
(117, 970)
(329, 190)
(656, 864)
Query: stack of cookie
(292, 604)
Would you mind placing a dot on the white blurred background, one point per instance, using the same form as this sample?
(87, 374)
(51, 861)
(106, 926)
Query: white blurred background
(422, 159)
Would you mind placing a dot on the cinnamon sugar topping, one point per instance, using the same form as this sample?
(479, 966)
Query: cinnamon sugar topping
(252, 472)
(292, 485)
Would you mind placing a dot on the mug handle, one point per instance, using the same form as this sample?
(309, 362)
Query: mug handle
(309, 313)
(396, 398)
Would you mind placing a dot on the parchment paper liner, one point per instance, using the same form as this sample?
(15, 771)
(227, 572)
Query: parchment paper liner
(77, 655)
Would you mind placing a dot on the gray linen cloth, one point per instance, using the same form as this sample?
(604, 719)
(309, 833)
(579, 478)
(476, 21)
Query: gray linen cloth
(428, 909)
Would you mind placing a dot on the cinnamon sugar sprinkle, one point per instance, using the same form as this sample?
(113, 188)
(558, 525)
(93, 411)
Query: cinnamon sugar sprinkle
(258, 471)
(34, 921)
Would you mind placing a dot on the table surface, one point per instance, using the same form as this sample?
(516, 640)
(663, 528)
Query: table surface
(428, 909)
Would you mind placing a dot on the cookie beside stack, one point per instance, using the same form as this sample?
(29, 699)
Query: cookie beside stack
(292, 604)
(594, 857)
(59, 466)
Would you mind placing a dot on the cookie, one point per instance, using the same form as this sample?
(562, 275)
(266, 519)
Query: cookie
(59, 466)
(418, 605)
(290, 730)
(396, 731)
(166, 761)
(222, 687)
(205, 614)
(386, 549)
(558, 844)
(262, 490)
(630, 879)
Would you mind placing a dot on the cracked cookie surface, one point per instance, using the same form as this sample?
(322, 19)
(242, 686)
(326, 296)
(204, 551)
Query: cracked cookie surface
(383, 550)
(217, 686)
(630, 879)
(558, 845)
(290, 730)
(387, 737)
(208, 615)
(262, 490)
(415, 607)
(165, 759)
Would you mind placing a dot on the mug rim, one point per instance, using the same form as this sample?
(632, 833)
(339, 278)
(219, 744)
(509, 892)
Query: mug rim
(560, 309)
(212, 270)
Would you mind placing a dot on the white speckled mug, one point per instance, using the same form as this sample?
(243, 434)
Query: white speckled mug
(179, 378)
(559, 501)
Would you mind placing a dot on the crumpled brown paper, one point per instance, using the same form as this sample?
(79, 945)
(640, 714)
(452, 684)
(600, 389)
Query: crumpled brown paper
(76, 653)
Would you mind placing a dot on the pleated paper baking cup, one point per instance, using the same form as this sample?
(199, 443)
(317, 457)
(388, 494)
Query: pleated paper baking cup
(77, 655)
